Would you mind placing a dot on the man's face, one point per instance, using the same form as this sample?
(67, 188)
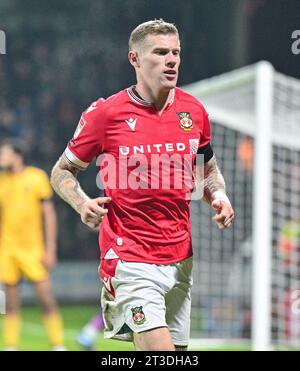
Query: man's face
(7, 157)
(159, 61)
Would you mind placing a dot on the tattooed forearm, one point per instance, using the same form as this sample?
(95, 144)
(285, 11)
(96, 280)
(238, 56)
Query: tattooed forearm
(64, 182)
(213, 179)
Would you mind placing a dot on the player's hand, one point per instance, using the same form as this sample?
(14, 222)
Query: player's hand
(49, 261)
(225, 213)
(92, 213)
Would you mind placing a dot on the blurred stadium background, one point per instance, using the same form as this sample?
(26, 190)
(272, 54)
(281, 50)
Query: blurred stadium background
(62, 55)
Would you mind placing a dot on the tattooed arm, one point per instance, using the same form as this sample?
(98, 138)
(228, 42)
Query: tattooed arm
(65, 183)
(215, 194)
(213, 180)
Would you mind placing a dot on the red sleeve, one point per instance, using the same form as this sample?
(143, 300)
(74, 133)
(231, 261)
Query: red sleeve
(205, 130)
(88, 140)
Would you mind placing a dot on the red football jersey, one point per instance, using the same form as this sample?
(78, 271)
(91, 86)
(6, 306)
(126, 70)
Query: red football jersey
(148, 216)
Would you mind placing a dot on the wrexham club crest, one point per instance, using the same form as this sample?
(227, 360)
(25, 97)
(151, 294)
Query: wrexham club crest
(186, 122)
(138, 315)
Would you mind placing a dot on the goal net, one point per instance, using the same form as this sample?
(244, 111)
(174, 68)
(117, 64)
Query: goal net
(247, 278)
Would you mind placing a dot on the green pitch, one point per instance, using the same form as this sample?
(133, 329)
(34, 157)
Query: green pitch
(33, 336)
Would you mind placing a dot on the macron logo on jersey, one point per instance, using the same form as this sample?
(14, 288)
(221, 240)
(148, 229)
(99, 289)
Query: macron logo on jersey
(131, 123)
(93, 106)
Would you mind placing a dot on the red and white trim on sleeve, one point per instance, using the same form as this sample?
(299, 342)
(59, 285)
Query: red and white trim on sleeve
(75, 160)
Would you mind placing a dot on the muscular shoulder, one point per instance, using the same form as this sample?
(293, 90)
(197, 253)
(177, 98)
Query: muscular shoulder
(102, 108)
(186, 98)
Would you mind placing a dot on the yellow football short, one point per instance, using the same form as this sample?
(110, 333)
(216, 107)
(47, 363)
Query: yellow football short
(16, 265)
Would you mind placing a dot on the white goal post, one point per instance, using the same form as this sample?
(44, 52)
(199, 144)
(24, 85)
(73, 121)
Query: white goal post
(251, 273)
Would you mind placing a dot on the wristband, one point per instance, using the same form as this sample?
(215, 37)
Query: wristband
(219, 195)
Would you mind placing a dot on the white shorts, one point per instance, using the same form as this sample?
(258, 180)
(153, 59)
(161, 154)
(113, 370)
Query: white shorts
(141, 296)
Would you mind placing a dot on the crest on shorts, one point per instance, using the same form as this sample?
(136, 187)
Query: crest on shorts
(186, 122)
(138, 315)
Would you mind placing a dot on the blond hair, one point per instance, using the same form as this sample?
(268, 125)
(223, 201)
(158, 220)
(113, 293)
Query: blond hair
(154, 27)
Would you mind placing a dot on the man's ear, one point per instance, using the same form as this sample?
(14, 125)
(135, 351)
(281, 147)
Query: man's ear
(134, 58)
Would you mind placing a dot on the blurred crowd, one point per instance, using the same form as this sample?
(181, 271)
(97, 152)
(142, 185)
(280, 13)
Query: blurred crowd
(38, 107)
(34, 108)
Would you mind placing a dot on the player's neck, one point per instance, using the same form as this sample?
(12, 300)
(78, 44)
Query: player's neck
(159, 98)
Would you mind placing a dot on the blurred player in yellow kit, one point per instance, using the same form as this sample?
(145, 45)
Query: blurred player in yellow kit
(27, 242)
